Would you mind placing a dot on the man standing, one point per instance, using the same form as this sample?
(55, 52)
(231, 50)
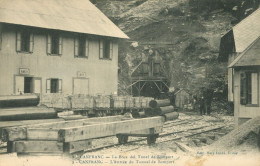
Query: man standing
(202, 105)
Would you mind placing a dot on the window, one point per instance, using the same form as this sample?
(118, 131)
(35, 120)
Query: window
(54, 44)
(156, 69)
(105, 49)
(145, 69)
(81, 47)
(1, 36)
(0, 40)
(25, 84)
(249, 88)
(24, 41)
(54, 85)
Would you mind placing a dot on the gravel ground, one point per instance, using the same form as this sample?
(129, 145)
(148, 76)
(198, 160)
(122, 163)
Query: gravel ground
(162, 153)
(168, 153)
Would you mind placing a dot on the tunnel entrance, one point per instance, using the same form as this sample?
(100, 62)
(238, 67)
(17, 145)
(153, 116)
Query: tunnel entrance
(150, 88)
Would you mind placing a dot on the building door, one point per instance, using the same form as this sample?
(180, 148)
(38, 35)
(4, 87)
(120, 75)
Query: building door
(80, 86)
(27, 85)
(37, 85)
(19, 84)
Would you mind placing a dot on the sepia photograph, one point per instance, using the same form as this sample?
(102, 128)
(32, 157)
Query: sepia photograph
(129, 82)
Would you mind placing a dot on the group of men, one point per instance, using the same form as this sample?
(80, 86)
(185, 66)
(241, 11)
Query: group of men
(203, 102)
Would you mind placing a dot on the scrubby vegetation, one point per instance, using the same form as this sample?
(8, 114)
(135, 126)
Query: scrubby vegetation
(186, 34)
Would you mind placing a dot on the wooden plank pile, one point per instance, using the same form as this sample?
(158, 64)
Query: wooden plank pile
(61, 136)
(76, 135)
(5, 124)
(23, 107)
(239, 136)
(18, 110)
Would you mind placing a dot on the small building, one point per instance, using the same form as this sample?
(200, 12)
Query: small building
(240, 47)
(57, 46)
(182, 98)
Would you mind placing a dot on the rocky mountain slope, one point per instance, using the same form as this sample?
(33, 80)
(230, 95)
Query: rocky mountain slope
(185, 33)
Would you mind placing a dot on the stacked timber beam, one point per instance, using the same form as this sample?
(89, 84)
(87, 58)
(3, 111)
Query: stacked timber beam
(74, 136)
(162, 107)
(27, 113)
(19, 101)
(23, 107)
(17, 110)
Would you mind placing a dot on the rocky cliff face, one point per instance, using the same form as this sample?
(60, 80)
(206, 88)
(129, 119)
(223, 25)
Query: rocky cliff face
(185, 33)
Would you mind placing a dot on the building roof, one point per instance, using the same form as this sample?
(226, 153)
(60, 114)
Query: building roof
(179, 90)
(241, 36)
(250, 57)
(68, 15)
(247, 31)
(227, 46)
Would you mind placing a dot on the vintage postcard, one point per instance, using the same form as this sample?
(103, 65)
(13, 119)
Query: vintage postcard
(129, 82)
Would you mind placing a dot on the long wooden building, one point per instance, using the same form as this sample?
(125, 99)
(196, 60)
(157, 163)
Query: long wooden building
(57, 46)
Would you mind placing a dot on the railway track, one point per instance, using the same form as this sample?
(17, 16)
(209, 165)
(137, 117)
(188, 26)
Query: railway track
(181, 122)
(171, 133)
